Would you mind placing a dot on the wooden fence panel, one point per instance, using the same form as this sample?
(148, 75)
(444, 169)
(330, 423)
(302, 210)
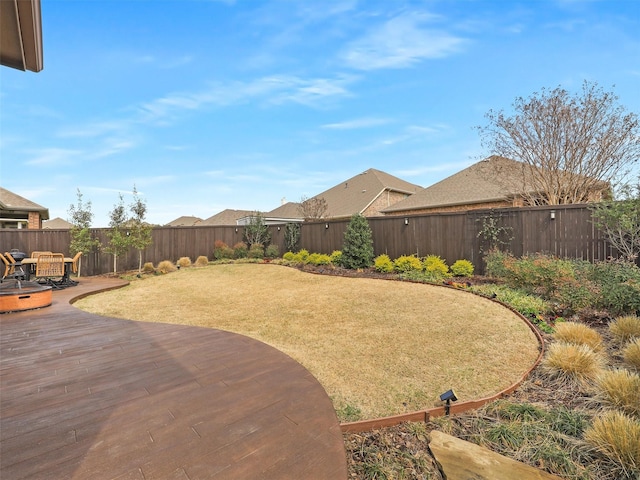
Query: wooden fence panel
(452, 236)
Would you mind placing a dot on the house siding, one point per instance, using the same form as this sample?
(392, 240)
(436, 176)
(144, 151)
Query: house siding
(384, 200)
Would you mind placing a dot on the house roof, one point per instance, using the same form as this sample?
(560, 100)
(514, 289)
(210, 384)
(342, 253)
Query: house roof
(185, 221)
(57, 224)
(13, 202)
(227, 217)
(21, 34)
(286, 210)
(357, 193)
(492, 179)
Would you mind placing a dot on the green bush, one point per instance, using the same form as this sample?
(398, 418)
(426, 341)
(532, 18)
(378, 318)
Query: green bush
(496, 260)
(256, 251)
(462, 268)
(382, 263)
(240, 250)
(319, 259)
(221, 250)
(619, 285)
(289, 256)
(272, 251)
(302, 256)
(530, 306)
(435, 265)
(407, 263)
(336, 256)
(357, 250)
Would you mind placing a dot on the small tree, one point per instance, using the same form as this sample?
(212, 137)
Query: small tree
(257, 232)
(313, 208)
(140, 231)
(291, 236)
(82, 240)
(572, 148)
(620, 222)
(118, 238)
(357, 250)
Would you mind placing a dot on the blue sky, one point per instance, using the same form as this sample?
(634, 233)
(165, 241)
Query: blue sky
(207, 105)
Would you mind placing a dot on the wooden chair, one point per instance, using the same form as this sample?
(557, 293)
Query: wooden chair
(36, 254)
(9, 270)
(17, 269)
(50, 269)
(75, 262)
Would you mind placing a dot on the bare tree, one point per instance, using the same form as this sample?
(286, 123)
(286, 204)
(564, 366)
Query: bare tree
(572, 148)
(313, 208)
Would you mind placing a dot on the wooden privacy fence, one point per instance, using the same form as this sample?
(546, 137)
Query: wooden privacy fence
(563, 231)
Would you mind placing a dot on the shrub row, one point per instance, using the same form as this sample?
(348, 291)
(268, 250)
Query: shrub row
(222, 251)
(573, 285)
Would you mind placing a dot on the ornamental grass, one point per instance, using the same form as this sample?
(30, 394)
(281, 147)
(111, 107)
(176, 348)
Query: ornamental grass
(617, 437)
(620, 389)
(578, 334)
(572, 365)
(631, 354)
(625, 328)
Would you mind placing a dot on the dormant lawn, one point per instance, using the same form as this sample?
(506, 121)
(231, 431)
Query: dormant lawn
(378, 347)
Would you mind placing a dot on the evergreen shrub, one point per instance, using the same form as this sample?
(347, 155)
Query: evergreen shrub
(382, 263)
(462, 268)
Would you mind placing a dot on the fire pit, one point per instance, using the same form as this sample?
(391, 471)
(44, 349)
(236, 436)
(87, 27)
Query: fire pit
(16, 296)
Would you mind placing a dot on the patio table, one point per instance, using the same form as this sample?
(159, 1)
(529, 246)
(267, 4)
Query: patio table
(30, 264)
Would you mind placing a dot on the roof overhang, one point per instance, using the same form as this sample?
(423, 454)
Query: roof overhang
(21, 34)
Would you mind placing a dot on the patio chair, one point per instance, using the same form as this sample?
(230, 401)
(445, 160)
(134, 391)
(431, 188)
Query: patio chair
(9, 270)
(50, 269)
(37, 253)
(18, 269)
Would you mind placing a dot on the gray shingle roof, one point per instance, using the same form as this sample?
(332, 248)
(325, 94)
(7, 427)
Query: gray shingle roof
(14, 202)
(491, 179)
(357, 193)
(57, 224)
(226, 217)
(287, 210)
(185, 221)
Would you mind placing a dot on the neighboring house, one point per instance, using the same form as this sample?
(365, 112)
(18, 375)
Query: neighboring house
(226, 217)
(494, 182)
(21, 27)
(368, 193)
(57, 224)
(18, 212)
(184, 221)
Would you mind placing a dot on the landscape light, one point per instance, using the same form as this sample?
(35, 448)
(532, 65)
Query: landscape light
(448, 397)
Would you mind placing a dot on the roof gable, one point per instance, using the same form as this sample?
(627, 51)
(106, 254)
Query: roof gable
(10, 201)
(357, 193)
(226, 217)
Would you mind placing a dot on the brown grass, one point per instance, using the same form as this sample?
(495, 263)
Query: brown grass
(617, 436)
(620, 389)
(631, 354)
(578, 334)
(572, 364)
(378, 346)
(625, 328)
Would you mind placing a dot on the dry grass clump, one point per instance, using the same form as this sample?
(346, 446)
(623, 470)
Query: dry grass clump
(148, 268)
(184, 262)
(202, 261)
(631, 354)
(578, 334)
(625, 328)
(620, 389)
(571, 364)
(617, 436)
(166, 266)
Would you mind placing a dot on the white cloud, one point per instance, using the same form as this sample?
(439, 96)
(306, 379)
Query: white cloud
(366, 122)
(400, 43)
(52, 156)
